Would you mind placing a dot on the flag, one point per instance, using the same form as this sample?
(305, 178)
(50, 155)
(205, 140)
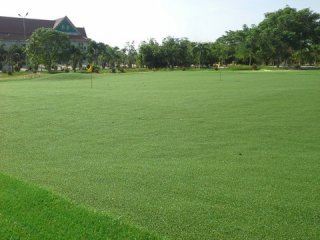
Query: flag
(90, 68)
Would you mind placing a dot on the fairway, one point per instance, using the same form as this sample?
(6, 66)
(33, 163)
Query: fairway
(181, 155)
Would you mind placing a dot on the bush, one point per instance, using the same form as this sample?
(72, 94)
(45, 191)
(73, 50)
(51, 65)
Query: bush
(297, 67)
(7, 69)
(113, 70)
(137, 70)
(122, 70)
(254, 67)
(243, 67)
(96, 69)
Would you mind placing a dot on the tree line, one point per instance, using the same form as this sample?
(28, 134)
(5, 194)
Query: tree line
(285, 37)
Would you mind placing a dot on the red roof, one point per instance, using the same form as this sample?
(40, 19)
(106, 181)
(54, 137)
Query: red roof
(11, 28)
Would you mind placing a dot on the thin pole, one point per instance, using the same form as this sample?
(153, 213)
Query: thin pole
(24, 31)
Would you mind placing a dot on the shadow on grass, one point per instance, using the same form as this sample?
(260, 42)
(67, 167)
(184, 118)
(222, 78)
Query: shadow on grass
(28, 212)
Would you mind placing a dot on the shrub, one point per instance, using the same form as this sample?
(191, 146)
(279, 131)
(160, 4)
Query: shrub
(254, 67)
(297, 67)
(96, 69)
(122, 70)
(243, 67)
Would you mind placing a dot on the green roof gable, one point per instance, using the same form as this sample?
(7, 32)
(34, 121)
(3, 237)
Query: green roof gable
(66, 26)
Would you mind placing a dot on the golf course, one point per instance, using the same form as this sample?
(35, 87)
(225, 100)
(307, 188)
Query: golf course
(199, 154)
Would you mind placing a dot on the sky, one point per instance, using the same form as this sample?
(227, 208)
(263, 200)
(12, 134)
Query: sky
(116, 22)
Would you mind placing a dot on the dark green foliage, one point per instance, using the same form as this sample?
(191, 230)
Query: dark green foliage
(242, 67)
(254, 67)
(12, 58)
(130, 55)
(77, 55)
(287, 31)
(152, 55)
(122, 70)
(285, 37)
(48, 47)
(96, 69)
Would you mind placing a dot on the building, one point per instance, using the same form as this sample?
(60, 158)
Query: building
(17, 30)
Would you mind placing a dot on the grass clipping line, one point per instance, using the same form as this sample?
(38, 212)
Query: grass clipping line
(28, 212)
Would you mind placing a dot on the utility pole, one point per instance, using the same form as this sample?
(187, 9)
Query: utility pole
(24, 31)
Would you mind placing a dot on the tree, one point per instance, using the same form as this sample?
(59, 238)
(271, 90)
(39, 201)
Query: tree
(287, 32)
(170, 49)
(315, 54)
(185, 53)
(152, 55)
(224, 50)
(105, 56)
(204, 54)
(132, 54)
(3, 53)
(13, 57)
(48, 47)
(76, 56)
(118, 57)
(93, 52)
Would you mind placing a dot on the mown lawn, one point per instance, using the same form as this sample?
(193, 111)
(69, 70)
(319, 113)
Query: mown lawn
(27, 212)
(181, 154)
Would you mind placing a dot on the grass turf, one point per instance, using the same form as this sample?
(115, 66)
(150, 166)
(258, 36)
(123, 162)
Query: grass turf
(182, 154)
(27, 212)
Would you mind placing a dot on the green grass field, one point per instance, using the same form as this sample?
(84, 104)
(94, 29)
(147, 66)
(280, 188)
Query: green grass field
(180, 155)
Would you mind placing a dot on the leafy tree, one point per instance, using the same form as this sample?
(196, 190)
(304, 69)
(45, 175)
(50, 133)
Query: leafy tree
(76, 56)
(204, 54)
(105, 56)
(131, 53)
(111, 56)
(170, 50)
(246, 48)
(314, 56)
(13, 57)
(185, 53)
(48, 47)
(224, 50)
(285, 36)
(3, 53)
(118, 57)
(93, 52)
(287, 31)
(18, 56)
(151, 54)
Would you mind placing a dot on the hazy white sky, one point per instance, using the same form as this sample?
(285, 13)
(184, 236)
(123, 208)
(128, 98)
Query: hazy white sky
(116, 22)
